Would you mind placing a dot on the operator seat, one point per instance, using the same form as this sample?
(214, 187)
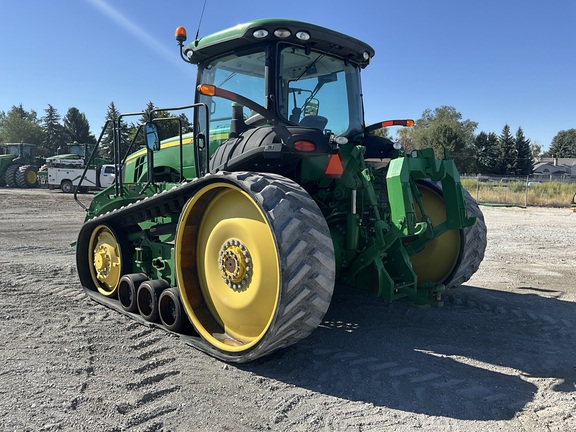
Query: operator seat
(314, 121)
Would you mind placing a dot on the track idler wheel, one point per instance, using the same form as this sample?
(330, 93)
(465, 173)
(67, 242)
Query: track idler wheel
(170, 310)
(105, 260)
(436, 262)
(127, 290)
(254, 264)
(455, 256)
(147, 298)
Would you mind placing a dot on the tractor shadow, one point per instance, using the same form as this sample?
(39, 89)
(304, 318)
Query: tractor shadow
(481, 357)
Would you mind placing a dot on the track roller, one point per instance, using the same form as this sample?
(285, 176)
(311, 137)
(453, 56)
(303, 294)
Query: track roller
(127, 290)
(170, 309)
(147, 298)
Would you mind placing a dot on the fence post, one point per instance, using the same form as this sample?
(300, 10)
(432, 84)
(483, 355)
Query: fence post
(526, 195)
(477, 186)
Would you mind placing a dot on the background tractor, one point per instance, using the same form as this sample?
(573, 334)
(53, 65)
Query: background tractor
(234, 235)
(18, 166)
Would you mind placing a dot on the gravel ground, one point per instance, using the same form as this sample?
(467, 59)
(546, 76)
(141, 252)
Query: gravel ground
(500, 355)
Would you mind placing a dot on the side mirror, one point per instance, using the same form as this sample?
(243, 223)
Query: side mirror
(152, 139)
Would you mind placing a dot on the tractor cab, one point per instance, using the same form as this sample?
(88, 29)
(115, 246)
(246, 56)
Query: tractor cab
(20, 150)
(294, 85)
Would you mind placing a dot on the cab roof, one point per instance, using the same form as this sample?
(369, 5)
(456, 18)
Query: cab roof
(244, 35)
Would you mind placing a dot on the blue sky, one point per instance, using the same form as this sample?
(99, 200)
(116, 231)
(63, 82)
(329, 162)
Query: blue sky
(496, 61)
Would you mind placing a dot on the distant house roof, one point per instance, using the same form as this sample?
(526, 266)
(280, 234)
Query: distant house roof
(555, 166)
(559, 161)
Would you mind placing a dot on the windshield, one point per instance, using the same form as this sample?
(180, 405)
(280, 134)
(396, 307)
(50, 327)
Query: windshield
(244, 75)
(313, 90)
(320, 91)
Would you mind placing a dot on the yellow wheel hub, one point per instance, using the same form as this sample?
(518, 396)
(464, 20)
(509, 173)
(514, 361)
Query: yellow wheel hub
(105, 260)
(439, 258)
(227, 267)
(31, 177)
(234, 262)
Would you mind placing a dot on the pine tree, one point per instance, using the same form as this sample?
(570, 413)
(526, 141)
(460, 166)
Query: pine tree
(107, 144)
(487, 153)
(53, 131)
(507, 153)
(525, 164)
(563, 145)
(77, 128)
(166, 129)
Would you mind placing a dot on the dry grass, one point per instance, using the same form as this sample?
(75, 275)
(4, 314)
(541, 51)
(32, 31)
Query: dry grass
(551, 194)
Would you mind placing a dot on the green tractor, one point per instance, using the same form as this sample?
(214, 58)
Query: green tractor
(18, 166)
(234, 235)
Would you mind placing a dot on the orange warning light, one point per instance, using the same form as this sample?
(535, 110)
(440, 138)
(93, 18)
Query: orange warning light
(207, 89)
(180, 34)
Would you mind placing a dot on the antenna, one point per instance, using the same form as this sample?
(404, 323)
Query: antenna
(200, 22)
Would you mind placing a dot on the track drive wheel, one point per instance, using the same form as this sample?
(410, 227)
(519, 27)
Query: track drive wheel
(10, 176)
(105, 260)
(255, 264)
(27, 176)
(455, 256)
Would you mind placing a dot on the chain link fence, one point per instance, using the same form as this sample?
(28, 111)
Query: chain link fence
(521, 191)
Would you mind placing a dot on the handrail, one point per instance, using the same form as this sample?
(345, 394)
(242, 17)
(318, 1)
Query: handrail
(199, 143)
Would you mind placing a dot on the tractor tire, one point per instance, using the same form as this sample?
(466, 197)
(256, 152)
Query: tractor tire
(10, 176)
(254, 264)
(454, 257)
(27, 177)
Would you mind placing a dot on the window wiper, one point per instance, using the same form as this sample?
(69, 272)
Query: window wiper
(228, 78)
(311, 65)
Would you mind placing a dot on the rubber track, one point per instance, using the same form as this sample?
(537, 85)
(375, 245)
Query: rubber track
(299, 228)
(474, 245)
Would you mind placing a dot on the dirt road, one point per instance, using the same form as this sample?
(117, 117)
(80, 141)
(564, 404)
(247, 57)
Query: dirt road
(501, 355)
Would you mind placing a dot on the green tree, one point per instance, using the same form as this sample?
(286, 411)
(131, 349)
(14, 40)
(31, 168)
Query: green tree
(107, 144)
(404, 138)
(507, 153)
(166, 129)
(383, 132)
(486, 153)
(445, 128)
(535, 151)
(53, 132)
(525, 163)
(563, 145)
(77, 128)
(19, 125)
